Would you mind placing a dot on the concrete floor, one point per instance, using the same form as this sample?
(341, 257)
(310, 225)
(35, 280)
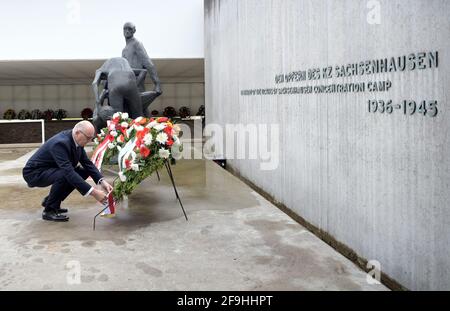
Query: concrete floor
(234, 239)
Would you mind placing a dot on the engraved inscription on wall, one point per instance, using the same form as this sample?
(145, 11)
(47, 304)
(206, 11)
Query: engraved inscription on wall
(412, 62)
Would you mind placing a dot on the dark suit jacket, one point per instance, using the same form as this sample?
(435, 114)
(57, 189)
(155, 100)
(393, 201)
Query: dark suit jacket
(61, 152)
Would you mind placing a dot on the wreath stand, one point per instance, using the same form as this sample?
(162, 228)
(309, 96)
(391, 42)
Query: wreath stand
(169, 172)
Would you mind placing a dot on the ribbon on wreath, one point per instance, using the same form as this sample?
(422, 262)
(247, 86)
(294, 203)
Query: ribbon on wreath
(97, 159)
(99, 153)
(111, 204)
(125, 153)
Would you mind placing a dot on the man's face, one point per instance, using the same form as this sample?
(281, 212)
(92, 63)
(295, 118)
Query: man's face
(128, 31)
(83, 137)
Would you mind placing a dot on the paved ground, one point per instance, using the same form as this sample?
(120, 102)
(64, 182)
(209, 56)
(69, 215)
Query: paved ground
(234, 239)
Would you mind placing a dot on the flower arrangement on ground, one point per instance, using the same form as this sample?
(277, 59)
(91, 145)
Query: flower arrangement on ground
(140, 145)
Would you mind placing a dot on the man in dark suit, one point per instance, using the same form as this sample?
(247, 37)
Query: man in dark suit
(55, 163)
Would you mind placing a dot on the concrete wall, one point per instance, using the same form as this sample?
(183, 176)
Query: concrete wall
(74, 98)
(377, 182)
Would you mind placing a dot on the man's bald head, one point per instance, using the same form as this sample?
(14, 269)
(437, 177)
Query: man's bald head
(84, 126)
(83, 132)
(128, 30)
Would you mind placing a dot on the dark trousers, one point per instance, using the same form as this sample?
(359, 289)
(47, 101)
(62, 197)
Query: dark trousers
(55, 177)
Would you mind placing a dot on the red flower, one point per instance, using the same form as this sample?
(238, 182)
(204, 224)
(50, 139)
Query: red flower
(110, 138)
(127, 164)
(162, 119)
(124, 132)
(145, 152)
(141, 134)
(168, 130)
(169, 142)
(139, 143)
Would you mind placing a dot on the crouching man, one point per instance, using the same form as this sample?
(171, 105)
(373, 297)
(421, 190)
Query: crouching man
(55, 163)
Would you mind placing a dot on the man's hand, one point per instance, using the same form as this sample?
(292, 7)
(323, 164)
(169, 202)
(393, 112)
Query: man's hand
(99, 195)
(106, 186)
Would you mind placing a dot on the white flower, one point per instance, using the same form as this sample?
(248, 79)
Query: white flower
(113, 133)
(124, 124)
(138, 119)
(151, 124)
(116, 115)
(164, 153)
(135, 167)
(96, 141)
(122, 177)
(161, 138)
(148, 139)
(111, 146)
(119, 148)
(138, 127)
(160, 126)
(102, 133)
(111, 126)
(124, 116)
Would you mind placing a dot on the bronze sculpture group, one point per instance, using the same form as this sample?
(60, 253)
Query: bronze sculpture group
(119, 83)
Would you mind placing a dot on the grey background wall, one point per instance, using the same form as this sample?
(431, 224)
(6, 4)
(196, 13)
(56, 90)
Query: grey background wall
(377, 182)
(75, 97)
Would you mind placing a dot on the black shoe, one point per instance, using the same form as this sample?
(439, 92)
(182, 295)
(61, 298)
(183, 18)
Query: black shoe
(61, 210)
(54, 216)
(58, 210)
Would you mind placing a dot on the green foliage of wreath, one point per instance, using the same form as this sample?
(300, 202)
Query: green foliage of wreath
(134, 178)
